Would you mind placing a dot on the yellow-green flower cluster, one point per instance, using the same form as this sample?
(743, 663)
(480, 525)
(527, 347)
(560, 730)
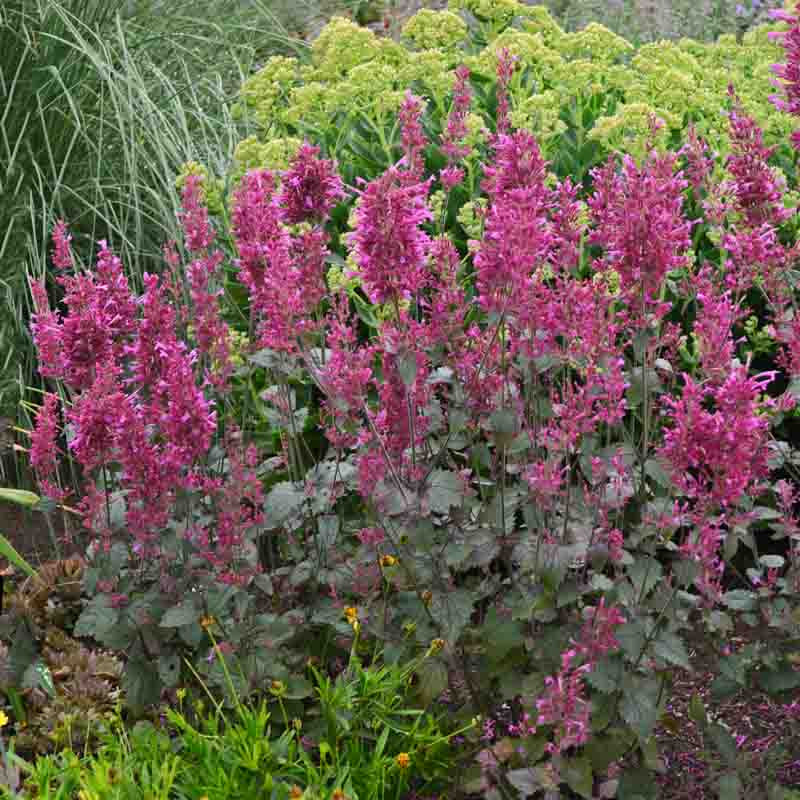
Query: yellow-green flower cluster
(496, 12)
(539, 20)
(435, 30)
(265, 92)
(343, 45)
(594, 42)
(212, 190)
(529, 49)
(274, 154)
(631, 129)
(540, 114)
(432, 71)
(470, 217)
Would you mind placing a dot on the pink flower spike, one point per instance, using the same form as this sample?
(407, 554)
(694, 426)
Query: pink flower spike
(62, 253)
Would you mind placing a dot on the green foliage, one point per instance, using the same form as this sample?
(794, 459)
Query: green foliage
(362, 738)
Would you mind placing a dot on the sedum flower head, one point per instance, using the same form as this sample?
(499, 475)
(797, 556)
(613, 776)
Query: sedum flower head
(433, 70)
(496, 12)
(540, 20)
(267, 89)
(429, 30)
(540, 114)
(595, 42)
(274, 154)
(630, 129)
(529, 50)
(370, 89)
(343, 45)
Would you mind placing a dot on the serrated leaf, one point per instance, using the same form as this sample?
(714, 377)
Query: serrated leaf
(671, 649)
(639, 706)
(577, 772)
(606, 748)
(283, 502)
(740, 600)
(97, 619)
(645, 573)
(724, 742)
(606, 674)
(452, 611)
(631, 637)
(184, 613)
(686, 571)
(445, 491)
(637, 783)
(775, 681)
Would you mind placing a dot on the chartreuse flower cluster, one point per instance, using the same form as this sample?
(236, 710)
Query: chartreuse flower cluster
(591, 80)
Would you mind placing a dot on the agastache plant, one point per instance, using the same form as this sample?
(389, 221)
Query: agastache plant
(540, 448)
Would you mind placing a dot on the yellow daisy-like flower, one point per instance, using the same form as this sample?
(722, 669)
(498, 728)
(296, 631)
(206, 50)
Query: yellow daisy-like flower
(388, 561)
(3, 719)
(403, 760)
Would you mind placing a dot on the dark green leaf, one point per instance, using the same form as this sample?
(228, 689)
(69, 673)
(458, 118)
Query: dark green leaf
(445, 490)
(432, 679)
(140, 683)
(730, 786)
(184, 613)
(577, 772)
(645, 573)
(724, 742)
(670, 648)
(639, 706)
(637, 783)
(97, 619)
(740, 600)
(169, 669)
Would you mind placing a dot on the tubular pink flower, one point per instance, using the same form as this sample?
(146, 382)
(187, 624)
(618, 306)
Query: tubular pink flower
(389, 246)
(788, 73)
(197, 231)
(505, 70)
(638, 217)
(44, 449)
(310, 187)
(716, 456)
(62, 253)
(757, 194)
(516, 237)
(413, 137)
(456, 130)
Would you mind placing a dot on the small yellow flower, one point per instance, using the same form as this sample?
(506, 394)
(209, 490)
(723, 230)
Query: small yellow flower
(3, 719)
(207, 622)
(181, 694)
(403, 760)
(437, 645)
(295, 792)
(338, 794)
(388, 561)
(351, 615)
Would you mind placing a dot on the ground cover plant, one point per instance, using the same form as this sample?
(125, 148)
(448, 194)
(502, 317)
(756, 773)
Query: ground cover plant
(533, 424)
